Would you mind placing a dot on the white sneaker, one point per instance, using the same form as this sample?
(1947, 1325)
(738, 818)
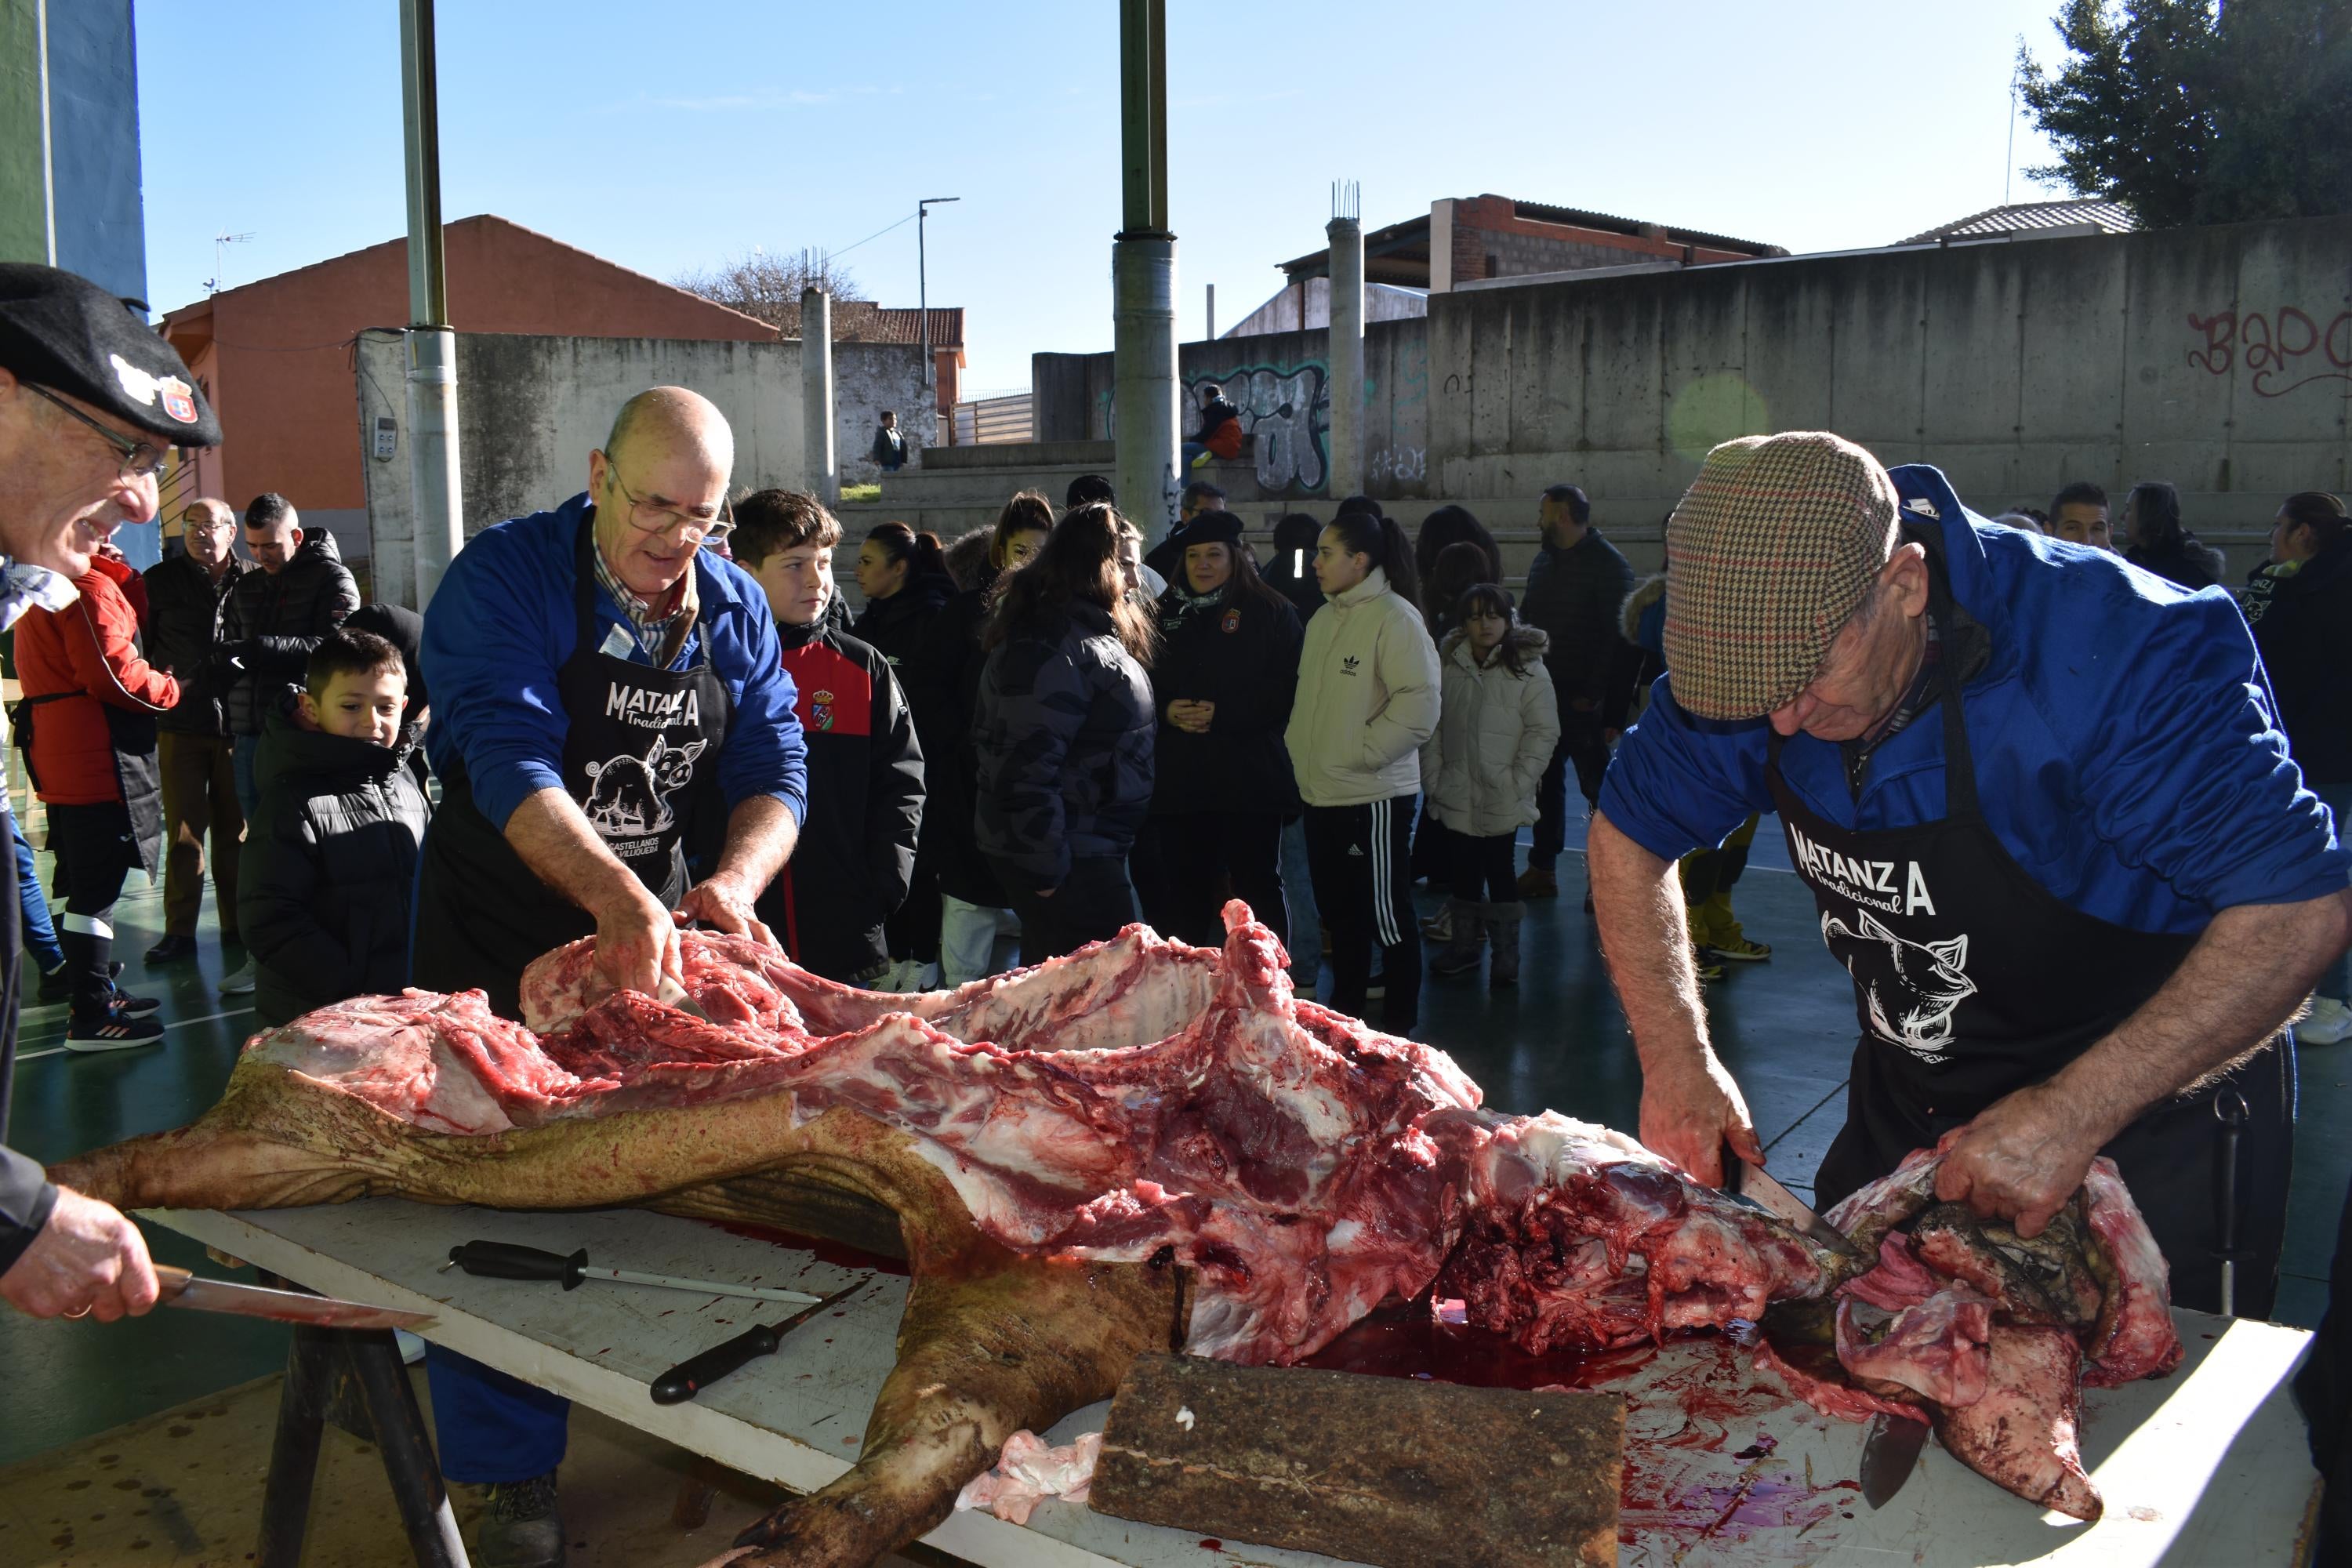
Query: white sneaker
(2330, 1022)
(239, 983)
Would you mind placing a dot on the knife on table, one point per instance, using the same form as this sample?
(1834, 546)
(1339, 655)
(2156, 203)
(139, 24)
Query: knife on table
(689, 1377)
(506, 1260)
(181, 1288)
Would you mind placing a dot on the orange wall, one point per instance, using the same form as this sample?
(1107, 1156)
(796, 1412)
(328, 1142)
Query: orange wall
(281, 370)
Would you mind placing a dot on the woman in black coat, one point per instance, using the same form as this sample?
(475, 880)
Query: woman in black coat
(903, 576)
(1221, 684)
(2161, 544)
(1064, 734)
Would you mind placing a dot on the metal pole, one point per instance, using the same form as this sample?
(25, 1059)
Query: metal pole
(1143, 280)
(432, 347)
(923, 289)
(822, 473)
(1347, 354)
(1212, 333)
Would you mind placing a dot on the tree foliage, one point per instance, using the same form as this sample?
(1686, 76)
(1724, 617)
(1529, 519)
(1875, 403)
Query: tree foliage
(768, 286)
(2189, 111)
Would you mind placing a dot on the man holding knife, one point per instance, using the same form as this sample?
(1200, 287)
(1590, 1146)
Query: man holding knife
(2046, 810)
(92, 402)
(606, 694)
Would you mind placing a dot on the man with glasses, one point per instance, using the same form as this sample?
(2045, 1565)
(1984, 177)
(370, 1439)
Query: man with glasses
(186, 595)
(2080, 891)
(92, 402)
(608, 696)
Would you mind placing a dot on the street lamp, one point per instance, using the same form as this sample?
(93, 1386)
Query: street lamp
(922, 281)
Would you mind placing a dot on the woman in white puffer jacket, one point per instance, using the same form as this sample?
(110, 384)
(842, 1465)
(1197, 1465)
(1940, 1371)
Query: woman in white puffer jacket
(1495, 737)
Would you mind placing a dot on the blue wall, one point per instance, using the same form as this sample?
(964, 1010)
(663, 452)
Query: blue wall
(94, 140)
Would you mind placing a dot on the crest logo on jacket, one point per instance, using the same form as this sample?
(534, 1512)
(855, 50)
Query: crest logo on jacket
(1914, 987)
(653, 709)
(628, 797)
(1347, 665)
(1233, 623)
(821, 709)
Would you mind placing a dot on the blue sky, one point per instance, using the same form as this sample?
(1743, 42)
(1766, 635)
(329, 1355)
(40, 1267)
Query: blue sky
(671, 137)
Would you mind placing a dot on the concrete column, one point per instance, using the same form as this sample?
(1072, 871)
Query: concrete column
(819, 472)
(433, 454)
(1144, 393)
(1347, 355)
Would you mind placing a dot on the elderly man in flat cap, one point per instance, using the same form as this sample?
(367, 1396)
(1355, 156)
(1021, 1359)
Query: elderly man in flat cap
(92, 401)
(2043, 804)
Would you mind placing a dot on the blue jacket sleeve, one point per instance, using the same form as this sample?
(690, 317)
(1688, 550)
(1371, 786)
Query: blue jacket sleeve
(489, 658)
(765, 752)
(1676, 785)
(2187, 773)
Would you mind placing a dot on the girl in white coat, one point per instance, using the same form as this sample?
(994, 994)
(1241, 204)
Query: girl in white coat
(1481, 767)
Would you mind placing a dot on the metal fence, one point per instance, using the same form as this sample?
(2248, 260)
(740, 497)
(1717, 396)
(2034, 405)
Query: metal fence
(991, 420)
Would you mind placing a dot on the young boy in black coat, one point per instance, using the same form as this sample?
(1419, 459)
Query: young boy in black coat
(330, 854)
(857, 851)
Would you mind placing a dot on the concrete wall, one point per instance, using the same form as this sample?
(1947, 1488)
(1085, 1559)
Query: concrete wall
(531, 408)
(94, 142)
(867, 379)
(2218, 358)
(1281, 383)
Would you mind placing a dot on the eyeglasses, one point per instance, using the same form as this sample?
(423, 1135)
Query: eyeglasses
(667, 517)
(141, 460)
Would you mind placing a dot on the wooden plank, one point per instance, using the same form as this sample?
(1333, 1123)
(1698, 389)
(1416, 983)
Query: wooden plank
(1401, 1472)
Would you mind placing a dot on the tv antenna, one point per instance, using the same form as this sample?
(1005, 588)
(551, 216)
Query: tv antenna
(221, 241)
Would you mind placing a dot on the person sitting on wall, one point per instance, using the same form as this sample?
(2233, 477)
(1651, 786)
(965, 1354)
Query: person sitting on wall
(1221, 430)
(889, 451)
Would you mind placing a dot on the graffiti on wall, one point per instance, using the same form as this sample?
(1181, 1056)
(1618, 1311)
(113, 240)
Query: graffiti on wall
(2276, 349)
(1288, 409)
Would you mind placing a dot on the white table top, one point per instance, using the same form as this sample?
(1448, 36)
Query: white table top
(2206, 1466)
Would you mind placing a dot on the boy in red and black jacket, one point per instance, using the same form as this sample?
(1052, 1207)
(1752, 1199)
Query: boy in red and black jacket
(857, 851)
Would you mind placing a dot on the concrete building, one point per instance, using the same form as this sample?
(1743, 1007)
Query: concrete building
(70, 192)
(864, 321)
(276, 355)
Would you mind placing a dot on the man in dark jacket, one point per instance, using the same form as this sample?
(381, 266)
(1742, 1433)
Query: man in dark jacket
(275, 619)
(185, 598)
(890, 452)
(856, 853)
(92, 402)
(1575, 589)
(332, 859)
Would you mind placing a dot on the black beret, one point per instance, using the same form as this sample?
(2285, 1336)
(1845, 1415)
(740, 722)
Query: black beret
(64, 333)
(1209, 528)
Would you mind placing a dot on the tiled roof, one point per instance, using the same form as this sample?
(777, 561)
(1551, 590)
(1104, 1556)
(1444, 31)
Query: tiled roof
(2023, 218)
(864, 321)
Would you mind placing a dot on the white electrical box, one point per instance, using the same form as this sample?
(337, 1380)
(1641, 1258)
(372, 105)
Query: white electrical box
(387, 436)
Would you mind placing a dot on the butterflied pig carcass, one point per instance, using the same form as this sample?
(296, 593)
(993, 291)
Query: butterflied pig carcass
(1140, 1146)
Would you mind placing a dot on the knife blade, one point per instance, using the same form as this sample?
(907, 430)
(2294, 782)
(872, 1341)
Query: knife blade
(1751, 1183)
(1889, 1455)
(181, 1288)
(670, 994)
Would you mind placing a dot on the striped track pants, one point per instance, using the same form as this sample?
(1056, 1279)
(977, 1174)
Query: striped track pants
(1360, 857)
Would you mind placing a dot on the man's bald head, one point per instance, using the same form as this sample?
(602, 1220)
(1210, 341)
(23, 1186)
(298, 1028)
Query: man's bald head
(672, 419)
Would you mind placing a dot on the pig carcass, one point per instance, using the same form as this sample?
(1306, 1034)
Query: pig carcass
(1142, 1145)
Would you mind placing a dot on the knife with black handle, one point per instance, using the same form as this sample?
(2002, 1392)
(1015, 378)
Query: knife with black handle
(691, 1376)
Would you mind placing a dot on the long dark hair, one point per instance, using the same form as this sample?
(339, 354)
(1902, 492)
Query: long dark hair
(1459, 567)
(1027, 512)
(1494, 597)
(1455, 525)
(921, 552)
(2155, 516)
(1080, 562)
(1244, 583)
(1383, 539)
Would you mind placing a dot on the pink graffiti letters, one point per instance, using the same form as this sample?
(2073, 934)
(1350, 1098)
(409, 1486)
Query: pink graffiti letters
(2270, 345)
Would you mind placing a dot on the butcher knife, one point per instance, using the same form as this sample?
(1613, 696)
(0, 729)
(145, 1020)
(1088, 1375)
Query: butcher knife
(1889, 1455)
(690, 1376)
(670, 994)
(181, 1288)
(505, 1260)
(1782, 1204)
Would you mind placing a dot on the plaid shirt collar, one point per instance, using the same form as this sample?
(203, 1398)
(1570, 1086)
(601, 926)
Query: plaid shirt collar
(660, 636)
(23, 586)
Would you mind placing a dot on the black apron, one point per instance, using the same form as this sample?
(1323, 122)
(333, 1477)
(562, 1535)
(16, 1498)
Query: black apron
(1971, 981)
(641, 761)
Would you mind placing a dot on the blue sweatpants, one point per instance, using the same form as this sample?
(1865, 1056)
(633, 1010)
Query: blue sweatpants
(490, 1427)
(40, 936)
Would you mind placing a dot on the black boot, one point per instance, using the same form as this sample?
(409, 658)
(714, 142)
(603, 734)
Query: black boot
(94, 1022)
(521, 1528)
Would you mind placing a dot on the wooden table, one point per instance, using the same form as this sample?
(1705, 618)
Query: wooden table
(2205, 1467)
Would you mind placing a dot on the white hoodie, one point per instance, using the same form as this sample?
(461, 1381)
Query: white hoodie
(1368, 698)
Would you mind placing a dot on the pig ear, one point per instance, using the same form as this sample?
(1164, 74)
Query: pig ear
(1871, 928)
(1954, 953)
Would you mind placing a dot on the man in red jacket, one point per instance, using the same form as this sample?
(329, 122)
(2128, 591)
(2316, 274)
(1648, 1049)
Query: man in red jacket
(90, 710)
